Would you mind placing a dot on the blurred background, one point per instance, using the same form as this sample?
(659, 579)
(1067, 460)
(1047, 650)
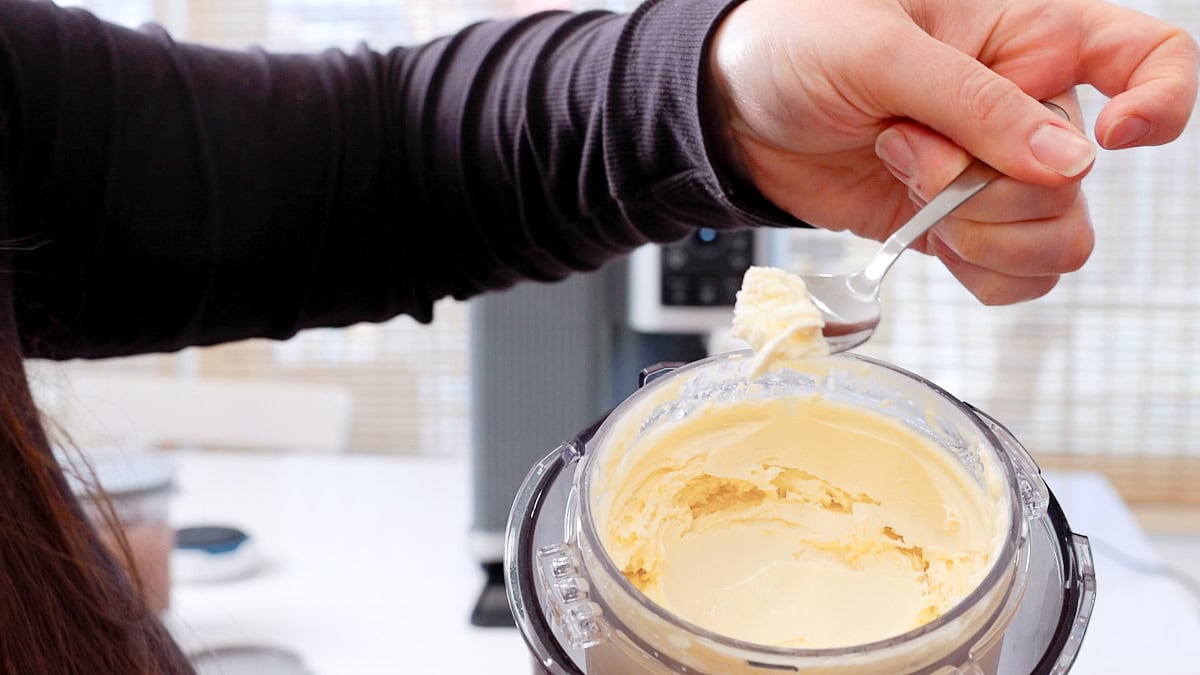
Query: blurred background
(1103, 374)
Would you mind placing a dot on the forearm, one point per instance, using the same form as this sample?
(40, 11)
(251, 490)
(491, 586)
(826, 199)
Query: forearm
(182, 195)
(190, 196)
(573, 139)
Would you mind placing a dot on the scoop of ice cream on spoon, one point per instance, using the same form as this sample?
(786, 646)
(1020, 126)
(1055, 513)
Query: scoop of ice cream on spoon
(775, 315)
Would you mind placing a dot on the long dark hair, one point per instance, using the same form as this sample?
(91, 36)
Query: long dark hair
(66, 605)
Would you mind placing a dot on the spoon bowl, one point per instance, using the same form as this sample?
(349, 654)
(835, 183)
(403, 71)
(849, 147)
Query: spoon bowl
(850, 306)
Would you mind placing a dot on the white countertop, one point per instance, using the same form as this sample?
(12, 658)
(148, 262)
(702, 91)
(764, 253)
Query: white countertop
(367, 569)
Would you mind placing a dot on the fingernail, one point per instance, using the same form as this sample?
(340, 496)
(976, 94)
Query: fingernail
(1127, 131)
(897, 155)
(1063, 151)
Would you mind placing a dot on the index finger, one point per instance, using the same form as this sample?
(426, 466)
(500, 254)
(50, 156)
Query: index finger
(1147, 67)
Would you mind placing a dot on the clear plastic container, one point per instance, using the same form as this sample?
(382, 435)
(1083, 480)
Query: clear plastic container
(138, 486)
(579, 613)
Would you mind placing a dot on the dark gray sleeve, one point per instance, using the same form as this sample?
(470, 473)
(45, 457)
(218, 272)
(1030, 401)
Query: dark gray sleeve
(157, 195)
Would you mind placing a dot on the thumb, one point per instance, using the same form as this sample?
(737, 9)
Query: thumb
(988, 115)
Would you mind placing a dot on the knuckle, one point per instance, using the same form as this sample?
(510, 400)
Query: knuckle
(1187, 45)
(983, 95)
(1078, 239)
(969, 242)
(989, 295)
(1040, 287)
(1002, 290)
(880, 40)
(1077, 248)
(1044, 286)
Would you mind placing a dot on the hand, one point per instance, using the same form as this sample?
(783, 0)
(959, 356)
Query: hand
(850, 114)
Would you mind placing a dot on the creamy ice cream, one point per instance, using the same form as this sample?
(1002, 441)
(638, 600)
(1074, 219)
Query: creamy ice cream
(776, 317)
(793, 521)
(798, 522)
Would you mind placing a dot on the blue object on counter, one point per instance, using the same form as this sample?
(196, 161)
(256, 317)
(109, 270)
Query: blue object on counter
(212, 553)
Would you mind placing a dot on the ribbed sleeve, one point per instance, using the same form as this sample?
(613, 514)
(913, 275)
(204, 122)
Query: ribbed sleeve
(158, 195)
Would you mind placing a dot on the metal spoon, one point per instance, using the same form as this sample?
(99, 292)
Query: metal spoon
(850, 302)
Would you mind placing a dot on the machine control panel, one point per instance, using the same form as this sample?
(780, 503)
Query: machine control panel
(689, 286)
(706, 269)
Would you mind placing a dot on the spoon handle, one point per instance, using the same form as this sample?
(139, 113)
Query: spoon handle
(973, 179)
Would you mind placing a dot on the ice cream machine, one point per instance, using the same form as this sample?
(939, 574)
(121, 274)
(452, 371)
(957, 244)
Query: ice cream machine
(547, 359)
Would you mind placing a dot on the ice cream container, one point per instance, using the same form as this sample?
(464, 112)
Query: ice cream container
(580, 612)
(136, 489)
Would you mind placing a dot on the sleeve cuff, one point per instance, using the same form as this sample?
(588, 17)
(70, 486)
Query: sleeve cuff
(657, 146)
